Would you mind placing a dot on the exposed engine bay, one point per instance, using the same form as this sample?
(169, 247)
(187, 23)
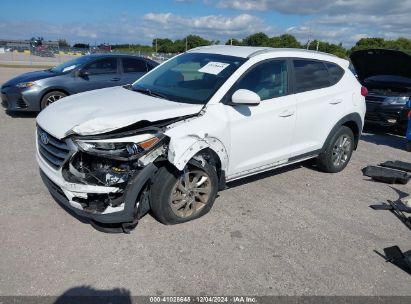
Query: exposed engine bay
(98, 167)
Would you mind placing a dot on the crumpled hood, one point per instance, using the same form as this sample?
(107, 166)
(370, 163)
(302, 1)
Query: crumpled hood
(375, 62)
(30, 76)
(105, 110)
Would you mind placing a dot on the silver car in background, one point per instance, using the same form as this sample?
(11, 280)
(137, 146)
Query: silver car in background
(33, 91)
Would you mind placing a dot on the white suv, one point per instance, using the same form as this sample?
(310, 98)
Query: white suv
(214, 114)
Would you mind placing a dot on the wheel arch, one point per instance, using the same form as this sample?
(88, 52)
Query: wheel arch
(352, 121)
(49, 90)
(209, 148)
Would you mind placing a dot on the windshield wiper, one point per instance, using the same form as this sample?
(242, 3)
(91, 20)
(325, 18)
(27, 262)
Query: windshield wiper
(149, 92)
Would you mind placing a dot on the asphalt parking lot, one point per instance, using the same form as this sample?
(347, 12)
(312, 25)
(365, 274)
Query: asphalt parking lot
(293, 231)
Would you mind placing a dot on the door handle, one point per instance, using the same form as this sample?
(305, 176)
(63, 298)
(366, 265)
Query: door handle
(286, 113)
(115, 79)
(335, 101)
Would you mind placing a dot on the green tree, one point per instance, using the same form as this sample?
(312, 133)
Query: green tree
(194, 41)
(331, 48)
(163, 45)
(81, 46)
(284, 41)
(369, 43)
(257, 39)
(63, 43)
(402, 44)
(233, 41)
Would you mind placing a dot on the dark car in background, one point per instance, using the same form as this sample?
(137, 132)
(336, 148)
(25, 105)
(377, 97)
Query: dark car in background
(387, 76)
(34, 91)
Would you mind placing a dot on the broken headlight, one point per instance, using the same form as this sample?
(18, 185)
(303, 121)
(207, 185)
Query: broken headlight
(124, 148)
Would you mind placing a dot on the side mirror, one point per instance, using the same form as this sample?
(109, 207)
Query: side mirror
(245, 97)
(83, 73)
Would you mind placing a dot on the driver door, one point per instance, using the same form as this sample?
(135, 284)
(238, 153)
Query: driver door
(101, 73)
(261, 135)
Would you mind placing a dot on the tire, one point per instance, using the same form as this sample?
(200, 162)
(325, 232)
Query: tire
(51, 97)
(338, 152)
(408, 146)
(168, 187)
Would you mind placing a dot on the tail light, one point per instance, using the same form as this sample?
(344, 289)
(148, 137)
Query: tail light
(364, 91)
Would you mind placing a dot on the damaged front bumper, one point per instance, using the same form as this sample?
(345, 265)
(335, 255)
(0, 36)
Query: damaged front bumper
(103, 204)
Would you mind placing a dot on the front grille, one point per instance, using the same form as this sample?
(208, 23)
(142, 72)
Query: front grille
(372, 117)
(53, 150)
(375, 98)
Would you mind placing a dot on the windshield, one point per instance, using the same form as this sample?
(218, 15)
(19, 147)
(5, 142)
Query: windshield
(70, 65)
(189, 78)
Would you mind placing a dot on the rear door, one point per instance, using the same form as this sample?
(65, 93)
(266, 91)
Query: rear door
(101, 73)
(319, 103)
(133, 69)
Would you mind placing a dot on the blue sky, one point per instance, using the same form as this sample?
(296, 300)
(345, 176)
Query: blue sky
(139, 21)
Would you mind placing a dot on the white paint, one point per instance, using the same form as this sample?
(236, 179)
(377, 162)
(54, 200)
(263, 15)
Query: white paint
(105, 110)
(247, 139)
(242, 96)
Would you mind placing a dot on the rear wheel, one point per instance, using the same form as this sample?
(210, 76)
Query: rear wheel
(181, 196)
(338, 153)
(51, 97)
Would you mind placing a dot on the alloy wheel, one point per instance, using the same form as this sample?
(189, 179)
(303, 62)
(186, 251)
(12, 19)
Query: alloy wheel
(191, 193)
(341, 150)
(53, 98)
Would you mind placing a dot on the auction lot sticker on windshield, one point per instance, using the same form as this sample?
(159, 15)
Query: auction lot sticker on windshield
(213, 67)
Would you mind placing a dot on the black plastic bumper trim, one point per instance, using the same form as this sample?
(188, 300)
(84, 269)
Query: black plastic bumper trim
(134, 187)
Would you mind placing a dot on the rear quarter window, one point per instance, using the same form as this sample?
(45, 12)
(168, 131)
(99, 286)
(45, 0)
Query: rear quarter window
(310, 75)
(336, 72)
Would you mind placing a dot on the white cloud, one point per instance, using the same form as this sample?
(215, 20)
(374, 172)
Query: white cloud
(139, 30)
(211, 27)
(331, 20)
(304, 7)
(338, 20)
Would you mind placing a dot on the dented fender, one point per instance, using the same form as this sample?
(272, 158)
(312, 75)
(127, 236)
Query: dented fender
(181, 150)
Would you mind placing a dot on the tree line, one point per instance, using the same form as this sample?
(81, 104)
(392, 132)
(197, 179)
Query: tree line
(166, 45)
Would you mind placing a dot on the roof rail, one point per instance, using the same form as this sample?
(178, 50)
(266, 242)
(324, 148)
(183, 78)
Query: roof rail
(270, 49)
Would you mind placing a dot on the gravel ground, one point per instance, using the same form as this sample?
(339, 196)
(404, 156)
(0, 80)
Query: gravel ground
(293, 231)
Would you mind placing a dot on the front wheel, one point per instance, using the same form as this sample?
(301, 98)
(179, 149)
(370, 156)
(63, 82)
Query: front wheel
(51, 97)
(338, 152)
(181, 196)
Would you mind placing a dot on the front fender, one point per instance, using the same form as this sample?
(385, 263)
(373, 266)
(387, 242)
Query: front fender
(182, 150)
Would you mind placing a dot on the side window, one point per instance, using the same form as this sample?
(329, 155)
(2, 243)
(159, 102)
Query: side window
(310, 75)
(102, 66)
(150, 66)
(131, 65)
(268, 79)
(336, 72)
